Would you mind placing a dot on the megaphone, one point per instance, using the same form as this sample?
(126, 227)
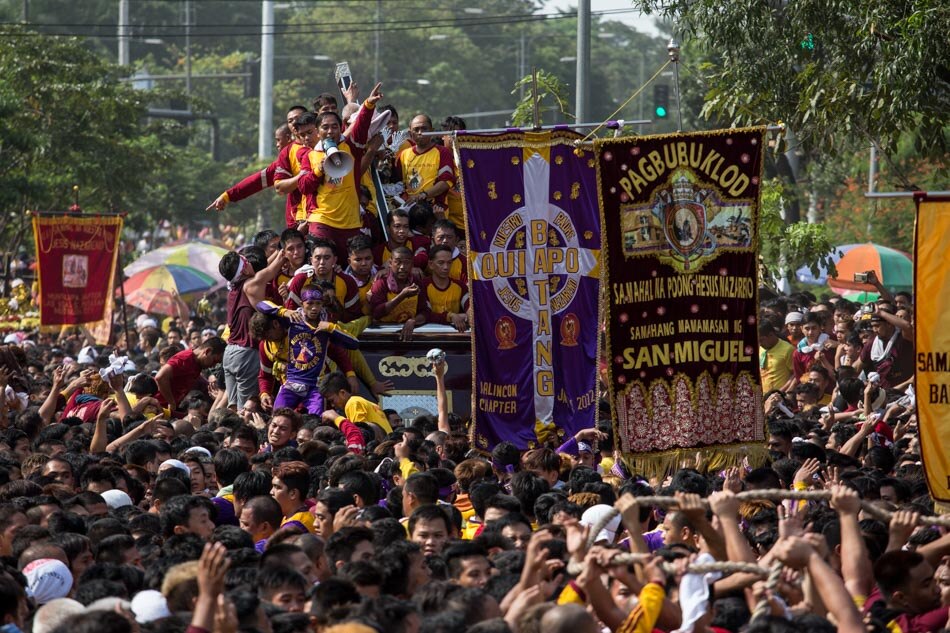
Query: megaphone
(337, 164)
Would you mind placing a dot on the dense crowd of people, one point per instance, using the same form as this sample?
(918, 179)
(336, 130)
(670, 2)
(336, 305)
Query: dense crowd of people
(238, 474)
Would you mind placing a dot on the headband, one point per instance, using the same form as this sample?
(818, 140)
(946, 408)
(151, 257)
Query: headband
(311, 293)
(240, 269)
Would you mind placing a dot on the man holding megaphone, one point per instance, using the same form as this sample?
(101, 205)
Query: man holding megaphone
(329, 174)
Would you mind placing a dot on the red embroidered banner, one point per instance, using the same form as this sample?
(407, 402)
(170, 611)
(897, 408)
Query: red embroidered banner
(76, 257)
(680, 217)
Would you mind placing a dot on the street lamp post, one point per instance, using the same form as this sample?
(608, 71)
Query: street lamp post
(266, 110)
(582, 98)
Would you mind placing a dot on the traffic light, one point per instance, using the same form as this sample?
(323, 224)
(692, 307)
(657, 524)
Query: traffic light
(252, 78)
(661, 100)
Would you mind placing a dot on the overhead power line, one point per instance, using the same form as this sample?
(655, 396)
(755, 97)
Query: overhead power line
(168, 31)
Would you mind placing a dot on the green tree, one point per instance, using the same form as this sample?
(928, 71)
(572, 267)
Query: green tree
(786, 247)
(841, 73)
(67, 119)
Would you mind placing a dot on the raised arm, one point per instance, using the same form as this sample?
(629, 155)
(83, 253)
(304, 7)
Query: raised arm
(795, 552)
(48, 408)
(442, 403)
(856, 568)
(726, 507)
(212, 567)
(256, 286)
(100, 439)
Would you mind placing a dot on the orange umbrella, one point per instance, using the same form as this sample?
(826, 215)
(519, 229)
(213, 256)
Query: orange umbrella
(895, 269)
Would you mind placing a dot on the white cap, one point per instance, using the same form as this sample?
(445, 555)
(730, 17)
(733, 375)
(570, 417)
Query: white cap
(149, 605)
(47, 579)
(174, 463)
(87, 355)
(116, 499)
(594, 514)
(201, 450)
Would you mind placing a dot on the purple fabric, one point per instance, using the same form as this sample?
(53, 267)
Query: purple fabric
(654, 539)
(569, 447)
(533, 227)
(312, 400)
(225, 513)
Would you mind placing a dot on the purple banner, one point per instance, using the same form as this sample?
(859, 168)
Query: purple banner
(533, 230)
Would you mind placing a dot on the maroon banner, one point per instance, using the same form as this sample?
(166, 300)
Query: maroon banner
(76, 259)
(680, 214)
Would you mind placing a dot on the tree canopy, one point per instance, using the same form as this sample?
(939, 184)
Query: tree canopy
(841, 73)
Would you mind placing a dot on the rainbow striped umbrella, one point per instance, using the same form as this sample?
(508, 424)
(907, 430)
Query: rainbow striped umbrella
(202, 256)
(181, 280)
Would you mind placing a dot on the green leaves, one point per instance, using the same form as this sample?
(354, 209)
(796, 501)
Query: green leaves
(552, 97)
(788, 247)
(871, 71)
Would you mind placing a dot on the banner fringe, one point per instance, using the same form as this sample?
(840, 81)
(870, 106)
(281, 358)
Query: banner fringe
(656, 466)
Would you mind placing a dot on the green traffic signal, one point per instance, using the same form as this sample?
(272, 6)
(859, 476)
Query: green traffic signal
(661, 100)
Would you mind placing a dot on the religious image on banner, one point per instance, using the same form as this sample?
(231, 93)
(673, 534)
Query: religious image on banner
(76, 258)
(932, 333)
(680, 217)
(534, 250)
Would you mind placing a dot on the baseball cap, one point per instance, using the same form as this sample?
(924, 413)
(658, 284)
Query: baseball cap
(593, 515)
(47, 579)
(116, 499)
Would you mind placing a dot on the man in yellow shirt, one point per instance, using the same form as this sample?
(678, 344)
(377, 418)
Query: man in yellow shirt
(427, 170)
(775, 360)
(333, 204)
(335, 389)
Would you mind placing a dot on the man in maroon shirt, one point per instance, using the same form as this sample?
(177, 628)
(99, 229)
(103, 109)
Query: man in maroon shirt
(246, 288)
(178, 376)
(264, 179)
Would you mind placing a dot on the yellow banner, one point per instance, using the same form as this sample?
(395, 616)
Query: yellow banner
(932, 321)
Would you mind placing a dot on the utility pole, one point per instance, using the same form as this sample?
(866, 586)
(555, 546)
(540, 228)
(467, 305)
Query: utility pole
(379, 9)
(266, 113)
(124, 57)
(188, 51)
(582, 98)
(522, 65)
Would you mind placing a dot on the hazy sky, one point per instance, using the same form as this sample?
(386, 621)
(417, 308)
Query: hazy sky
(643, 23)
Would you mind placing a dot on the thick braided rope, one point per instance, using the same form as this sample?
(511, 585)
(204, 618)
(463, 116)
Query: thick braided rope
(774, 494)
(726, 567)
(762, 608)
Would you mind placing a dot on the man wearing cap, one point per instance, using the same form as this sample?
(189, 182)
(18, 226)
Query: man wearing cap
(888, 353)
(775, 360)
(793, 327)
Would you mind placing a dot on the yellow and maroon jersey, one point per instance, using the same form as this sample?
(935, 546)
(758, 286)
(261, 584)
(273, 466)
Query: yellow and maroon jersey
(289, 163)
(421, 171)
(332, 201)
(441, 301)
(384, 290)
